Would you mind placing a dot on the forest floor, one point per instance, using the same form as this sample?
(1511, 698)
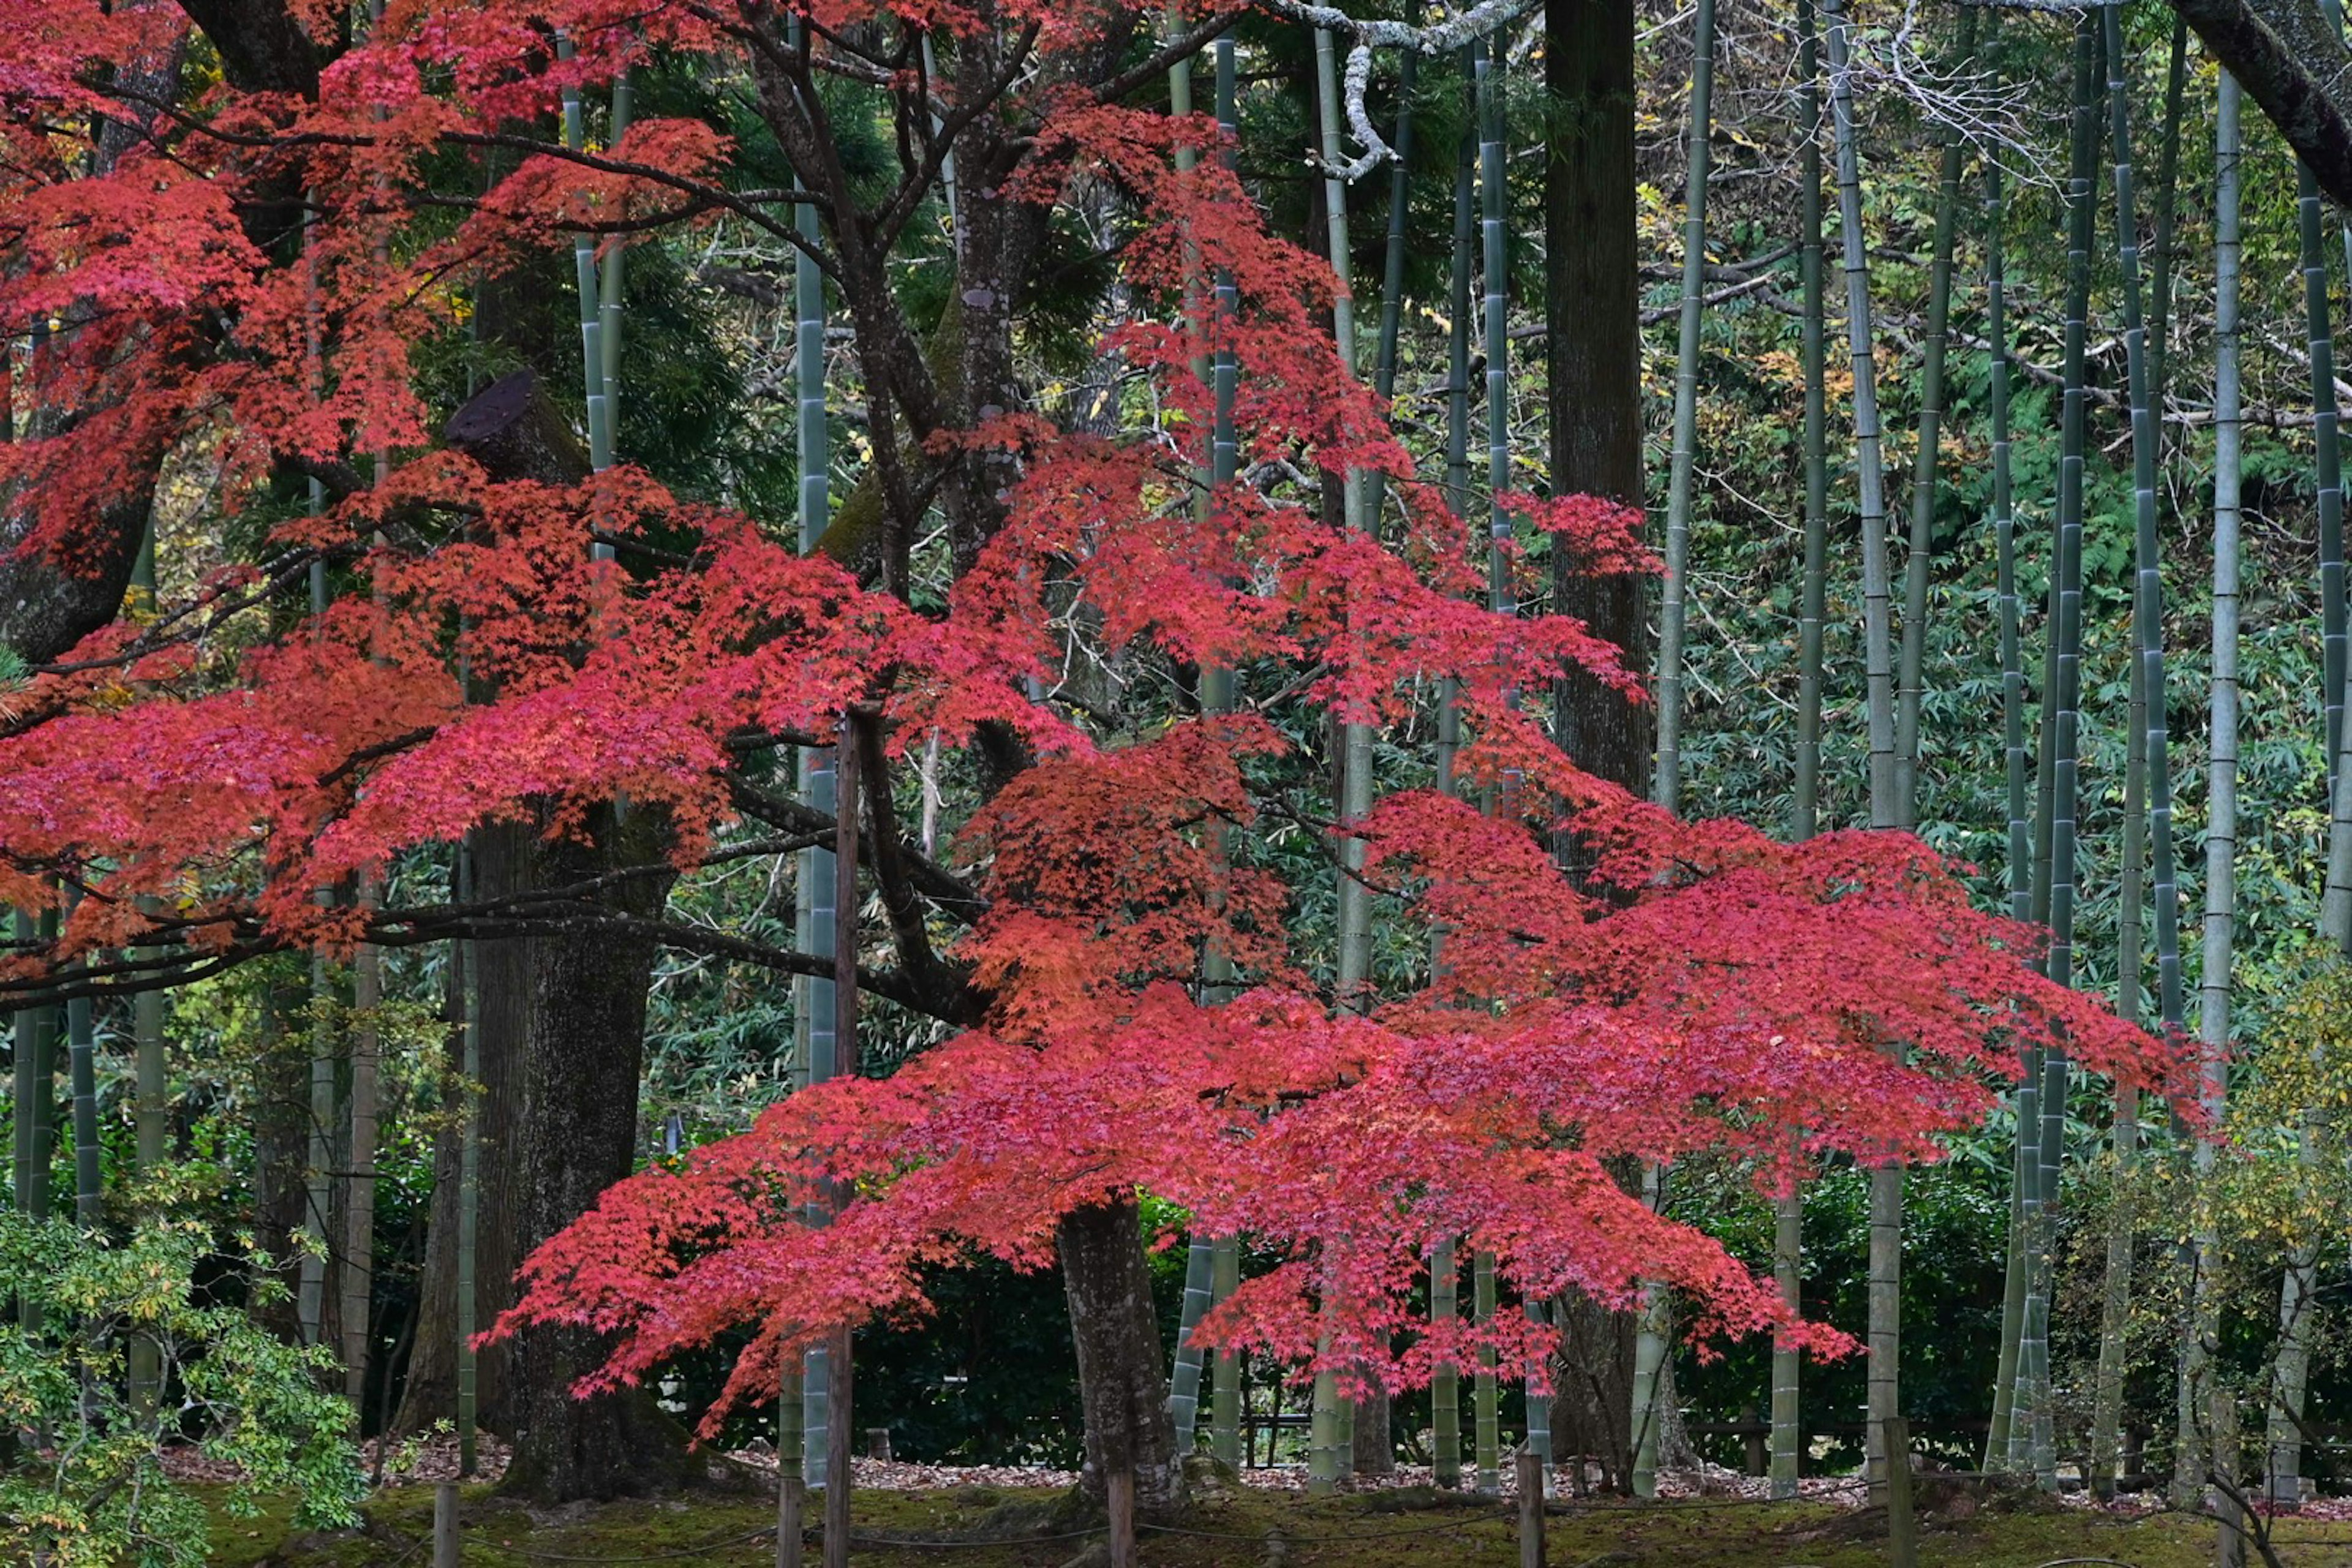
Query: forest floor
(1414, 1527)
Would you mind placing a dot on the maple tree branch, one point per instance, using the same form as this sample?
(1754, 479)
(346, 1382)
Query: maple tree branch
(747, 205)
(885, 854)
(902, 206)
(1154, 66)
(934, 881)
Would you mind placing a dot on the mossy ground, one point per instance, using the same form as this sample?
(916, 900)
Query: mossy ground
(1237, 1529)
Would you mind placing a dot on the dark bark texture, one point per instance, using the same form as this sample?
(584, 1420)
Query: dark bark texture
(1592, 303)
(2296, 66)
(1122, 1376)
(1591, 299)
(582, 1056)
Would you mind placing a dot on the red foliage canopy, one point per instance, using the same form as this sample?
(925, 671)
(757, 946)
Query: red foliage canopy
(1726, 993)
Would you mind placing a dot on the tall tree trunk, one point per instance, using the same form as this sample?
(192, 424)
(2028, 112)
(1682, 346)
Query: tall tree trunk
(1594, 392)
(1122, 1379)
(1593, 355)
(581, 1063)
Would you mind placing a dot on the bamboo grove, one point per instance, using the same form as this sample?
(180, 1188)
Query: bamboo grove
(671, 673)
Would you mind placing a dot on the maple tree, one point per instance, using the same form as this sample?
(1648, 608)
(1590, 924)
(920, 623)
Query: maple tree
(251, 273)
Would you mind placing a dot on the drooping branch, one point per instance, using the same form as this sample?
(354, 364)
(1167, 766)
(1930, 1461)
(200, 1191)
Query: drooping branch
(2296, 66)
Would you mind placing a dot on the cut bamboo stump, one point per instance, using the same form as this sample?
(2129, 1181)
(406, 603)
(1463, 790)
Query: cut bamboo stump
(1901, 1523)
(1531, 1508)
(1120, 1487)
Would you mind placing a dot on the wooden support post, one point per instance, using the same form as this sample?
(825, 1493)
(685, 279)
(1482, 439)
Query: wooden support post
(445, 1525)
(1531, 1508)
(1902, 1524)
(2229, 1548)
(792, 1497)
(1753, 1431)
(838, 1367)
(1121, 1487)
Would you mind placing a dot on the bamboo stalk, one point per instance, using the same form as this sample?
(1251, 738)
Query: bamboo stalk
(1224, 463)
(1330, 1452)
(2200, 1323)
(2325, 441)
(1485, 1394)
(1788, 1211)
(1911, 675)
(1665, 787)
(2021, 828)
(1885, 1313)
(2065, 685)
(468, 956)
(1445, 1381)
(1806, 795)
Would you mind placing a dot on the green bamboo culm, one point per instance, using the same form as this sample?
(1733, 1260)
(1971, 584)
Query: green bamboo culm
(468, 956)
(2201, 1322)
(1878, 665)
(82, 1078)
(2299, 1283)
(1493, 191)
(2019, 765)
(2328, 476)
(1665, 784)
(2148, 599)
(1910, 677)
(2148, 759)
(1494, 224)
(310, 1277)
(1885, 1263)
(2168, 202)
(1330, 1444)
(1199, 1251)
(1805, 797)
(583, 265)
(1789, 1211)
(2033, 1436)
(1225, 465)
(814, 912)
(1393, 258)
(150, 1073)
(1445, 1265)
(1485, 1393)
(37, 1030)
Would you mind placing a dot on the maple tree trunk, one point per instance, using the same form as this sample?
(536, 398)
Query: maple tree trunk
(577, 1136)
(1122, 1383)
